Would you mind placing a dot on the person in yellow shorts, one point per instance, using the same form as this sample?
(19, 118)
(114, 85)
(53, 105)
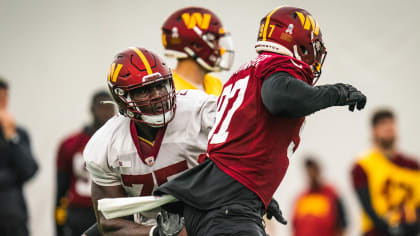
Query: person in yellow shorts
(196, 37)
(387, 183)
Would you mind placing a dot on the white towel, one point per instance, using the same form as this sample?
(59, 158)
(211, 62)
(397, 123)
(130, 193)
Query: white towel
(117, 207)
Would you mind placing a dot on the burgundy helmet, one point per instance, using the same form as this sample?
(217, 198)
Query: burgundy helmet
(134, 69)
(198, 33)
(294, 32)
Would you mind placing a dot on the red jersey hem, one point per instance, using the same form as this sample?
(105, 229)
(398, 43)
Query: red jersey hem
(245, 183)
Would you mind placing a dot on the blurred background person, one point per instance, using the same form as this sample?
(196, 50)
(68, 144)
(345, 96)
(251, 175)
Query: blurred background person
(387, 182)
(196, 37)
(17, 166)
(74, 212)
(318, 210)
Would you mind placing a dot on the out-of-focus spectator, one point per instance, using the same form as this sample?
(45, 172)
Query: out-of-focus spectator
(387, 183)
(17, 166)
(319, 209)
(74, 212)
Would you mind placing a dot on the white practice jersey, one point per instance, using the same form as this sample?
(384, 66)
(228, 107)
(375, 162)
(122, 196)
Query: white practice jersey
(112, 156)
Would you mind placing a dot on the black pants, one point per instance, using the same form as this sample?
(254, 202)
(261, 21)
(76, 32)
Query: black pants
(215, 203)
(235, 219)
(78, 220)
(13, 229)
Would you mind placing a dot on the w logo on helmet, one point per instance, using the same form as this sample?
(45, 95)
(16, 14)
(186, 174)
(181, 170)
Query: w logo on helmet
(308, 22)
(196, 18)
(113, 72)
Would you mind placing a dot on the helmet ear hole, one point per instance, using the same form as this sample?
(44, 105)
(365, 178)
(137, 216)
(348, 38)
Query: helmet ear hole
(304, 50)
(196, 46)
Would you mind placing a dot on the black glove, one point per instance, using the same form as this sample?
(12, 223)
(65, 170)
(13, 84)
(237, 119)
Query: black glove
(273, 209)
(349, 95)
(387, 229)
(397, 231)
(168, 224)
(93, 230)
(381, 225)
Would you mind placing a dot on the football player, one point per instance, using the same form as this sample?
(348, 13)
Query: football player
(259, 118)
(151, 141)
(196, 37)
(319, 207)
(73, 211)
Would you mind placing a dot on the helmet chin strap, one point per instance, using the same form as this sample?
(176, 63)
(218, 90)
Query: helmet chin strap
(157, 121)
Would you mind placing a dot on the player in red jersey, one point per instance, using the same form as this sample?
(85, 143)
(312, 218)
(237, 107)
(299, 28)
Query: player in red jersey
(319, 207)
(73, 182)
(259, 117)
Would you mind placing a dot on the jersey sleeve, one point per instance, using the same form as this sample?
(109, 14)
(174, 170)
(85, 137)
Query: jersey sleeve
(359, 177)
(63, 160)
(196, 112)
(208, 114)
(97, 155)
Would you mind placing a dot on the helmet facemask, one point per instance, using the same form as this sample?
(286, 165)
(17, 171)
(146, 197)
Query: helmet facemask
(150, 103)
(218, 53)
(227, 53)
(320, 53)
(312, 54)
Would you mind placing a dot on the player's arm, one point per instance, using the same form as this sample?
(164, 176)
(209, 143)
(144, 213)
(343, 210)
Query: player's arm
(418, 219)
(360, 184)
(93, 230)
(341, 217)
(208, 114)
(21, 156)
(63, 175)
(118, 226)
(283, 94)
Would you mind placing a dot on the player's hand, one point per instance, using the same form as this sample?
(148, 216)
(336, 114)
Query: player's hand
(349, 95)
(168, 224)
(8, 125)
(397, 231)
(273, 209)
(387, 229)
(93, 230)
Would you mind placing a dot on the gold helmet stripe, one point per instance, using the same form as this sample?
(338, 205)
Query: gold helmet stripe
(267, 21)
(143, 59)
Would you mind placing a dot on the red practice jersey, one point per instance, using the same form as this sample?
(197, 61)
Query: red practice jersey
(70, 159)
(316, 210)
(247, 142)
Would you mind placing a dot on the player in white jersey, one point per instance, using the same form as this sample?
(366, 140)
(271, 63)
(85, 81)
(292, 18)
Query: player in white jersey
(149, 143)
